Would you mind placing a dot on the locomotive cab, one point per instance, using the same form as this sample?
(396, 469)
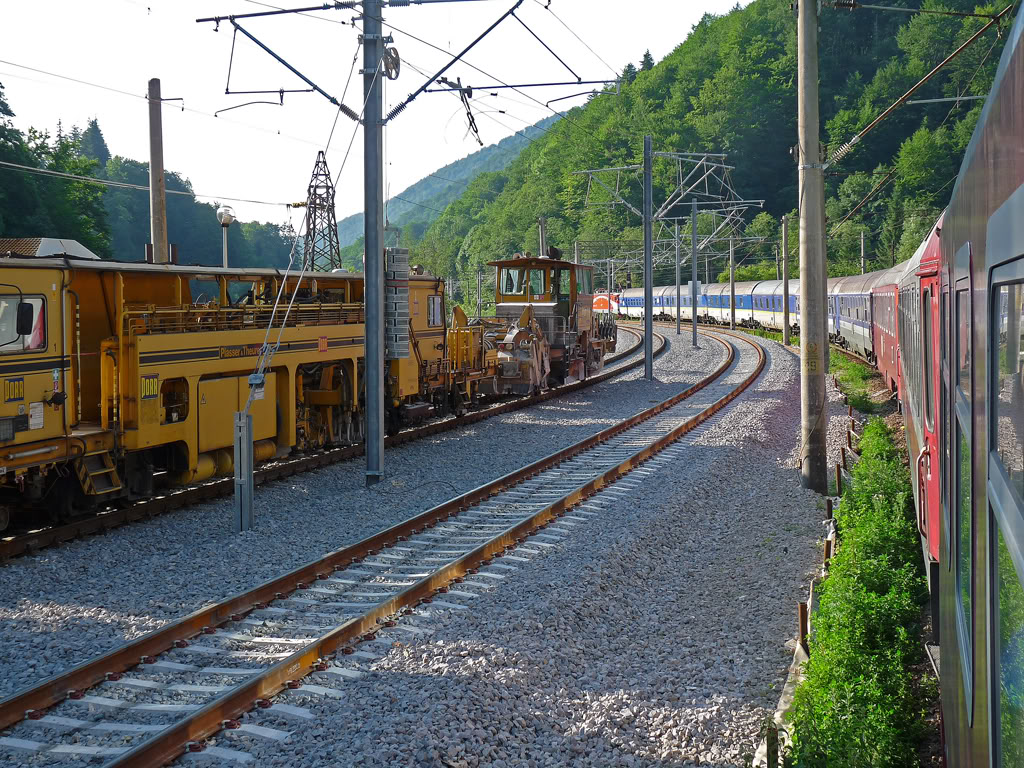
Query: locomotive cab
(552, 334)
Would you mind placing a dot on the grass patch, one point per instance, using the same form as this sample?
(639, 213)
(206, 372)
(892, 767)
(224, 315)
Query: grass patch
(858, 705)
(854, 379)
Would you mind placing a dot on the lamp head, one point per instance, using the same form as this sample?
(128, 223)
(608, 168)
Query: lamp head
(225, 215)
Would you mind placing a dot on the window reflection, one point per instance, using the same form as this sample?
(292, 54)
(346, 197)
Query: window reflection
(963, 309)
(1011, 660)
(1009, 400)
(964, 552)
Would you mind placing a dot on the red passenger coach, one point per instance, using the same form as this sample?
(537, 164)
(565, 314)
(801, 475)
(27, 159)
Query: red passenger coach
(884, 303)
(918, 305)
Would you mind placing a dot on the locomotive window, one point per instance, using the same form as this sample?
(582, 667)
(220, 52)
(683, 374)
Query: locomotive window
(10, 341)
(1008, 397)
(513, 281)
(963, 336)
(588, 281)
(1009, 655)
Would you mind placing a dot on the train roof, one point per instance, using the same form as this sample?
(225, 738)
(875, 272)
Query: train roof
(537, 261)
(109, 265)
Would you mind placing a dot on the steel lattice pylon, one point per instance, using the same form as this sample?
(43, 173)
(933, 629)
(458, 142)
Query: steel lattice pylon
(321, 249)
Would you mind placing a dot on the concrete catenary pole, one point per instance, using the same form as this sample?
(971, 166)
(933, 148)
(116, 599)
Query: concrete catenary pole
(813, 340)
(542, 234)
(732, 284)
(373, 202)
(778, 272)
(679, 290)
(786, 322)
(157, 185)
(693, 270)
(863, 261)
(648, 259)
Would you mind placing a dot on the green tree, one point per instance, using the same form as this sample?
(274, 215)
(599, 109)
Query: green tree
(94, 146)
(647, 62)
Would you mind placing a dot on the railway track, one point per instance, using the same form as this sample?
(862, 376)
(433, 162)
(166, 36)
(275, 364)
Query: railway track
(31, 541)
(169, 691)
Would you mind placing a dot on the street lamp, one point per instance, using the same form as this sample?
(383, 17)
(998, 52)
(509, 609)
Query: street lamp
(225, 215)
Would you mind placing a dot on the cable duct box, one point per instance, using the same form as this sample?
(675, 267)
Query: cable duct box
(396, 303)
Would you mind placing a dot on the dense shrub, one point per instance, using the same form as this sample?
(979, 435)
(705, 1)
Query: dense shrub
(857, 706)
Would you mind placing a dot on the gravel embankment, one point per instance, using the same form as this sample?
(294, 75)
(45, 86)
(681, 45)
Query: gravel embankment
(68, 604)
(654, 634)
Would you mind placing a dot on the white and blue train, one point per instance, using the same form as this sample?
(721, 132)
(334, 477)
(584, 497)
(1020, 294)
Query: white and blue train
(857, 305)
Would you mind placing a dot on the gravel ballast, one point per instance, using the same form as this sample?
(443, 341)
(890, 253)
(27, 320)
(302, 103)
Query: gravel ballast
(68, 604)
(653, 632)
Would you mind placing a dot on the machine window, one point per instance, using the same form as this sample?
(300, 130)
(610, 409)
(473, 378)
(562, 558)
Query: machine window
(588, 279)
(1008, 400)
(513, 281)
(1009, 599)
(563, 278)
(10, 341)
(537, 282)
(435, 316)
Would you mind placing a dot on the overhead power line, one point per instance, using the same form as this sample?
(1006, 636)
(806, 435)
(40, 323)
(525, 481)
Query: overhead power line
(143, 97)
(846, 148)
(126, 185)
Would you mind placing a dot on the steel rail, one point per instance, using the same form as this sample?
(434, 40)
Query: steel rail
(209, 720)
(27, 543)
(30, 702)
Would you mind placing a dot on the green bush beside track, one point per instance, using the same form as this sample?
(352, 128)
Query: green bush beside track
(858, 704)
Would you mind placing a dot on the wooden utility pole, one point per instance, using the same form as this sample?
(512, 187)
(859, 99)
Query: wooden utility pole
(813, 340)
(157, 187)
(785, 281)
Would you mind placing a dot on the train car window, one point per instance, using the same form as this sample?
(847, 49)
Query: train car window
(964, 558)
(1008, 397)
(10, 340)
(944, 422)
(929, 405)
(513, 281)
(963, 335)
(435, 317)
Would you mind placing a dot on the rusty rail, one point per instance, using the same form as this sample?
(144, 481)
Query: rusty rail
(27, 543)
(173, 740)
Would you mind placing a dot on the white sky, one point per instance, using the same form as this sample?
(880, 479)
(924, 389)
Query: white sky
(266, 152)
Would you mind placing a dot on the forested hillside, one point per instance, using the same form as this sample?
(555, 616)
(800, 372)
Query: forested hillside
(415, 208)
(731, 87)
